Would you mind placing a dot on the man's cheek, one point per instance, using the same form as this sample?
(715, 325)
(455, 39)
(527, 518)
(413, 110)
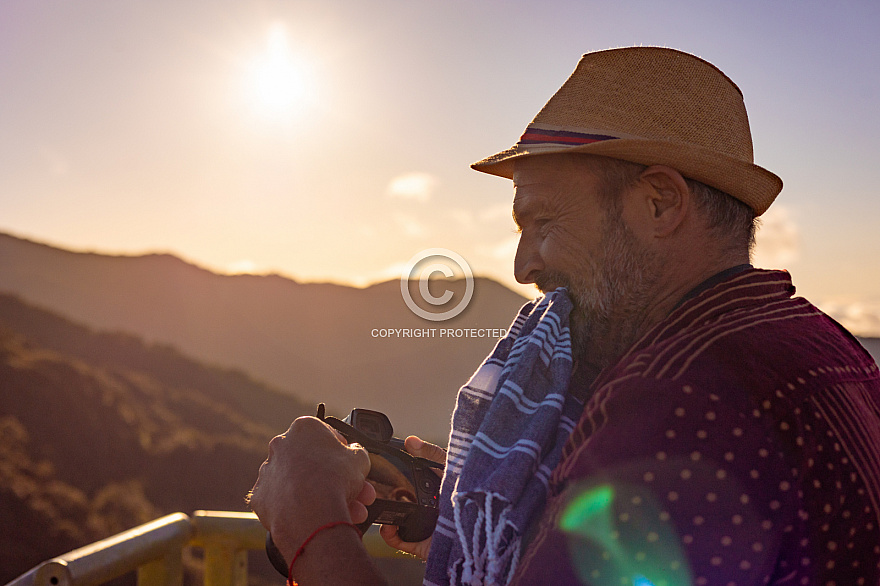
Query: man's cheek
(565, 245)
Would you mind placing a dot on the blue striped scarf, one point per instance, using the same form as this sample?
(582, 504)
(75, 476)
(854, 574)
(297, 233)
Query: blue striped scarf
(510, 423)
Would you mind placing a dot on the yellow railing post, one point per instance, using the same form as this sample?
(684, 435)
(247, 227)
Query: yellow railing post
(225, 566)
(166, 571)
(226, 538)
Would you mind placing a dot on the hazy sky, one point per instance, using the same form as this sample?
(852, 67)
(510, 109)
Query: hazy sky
(330, 139)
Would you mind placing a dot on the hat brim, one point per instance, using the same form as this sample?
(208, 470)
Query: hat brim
(753, 185)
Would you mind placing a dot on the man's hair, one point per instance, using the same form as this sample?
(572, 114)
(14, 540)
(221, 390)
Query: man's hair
(728, 216)
(730, 219)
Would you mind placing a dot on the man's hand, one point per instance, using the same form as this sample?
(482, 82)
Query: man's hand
(310, 478)
(421, 449)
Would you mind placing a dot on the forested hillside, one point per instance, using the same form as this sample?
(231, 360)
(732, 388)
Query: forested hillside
(100, 432)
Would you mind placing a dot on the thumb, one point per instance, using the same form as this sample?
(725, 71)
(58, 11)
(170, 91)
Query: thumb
(422, 449)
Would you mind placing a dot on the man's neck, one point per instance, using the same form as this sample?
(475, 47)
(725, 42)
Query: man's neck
(684, 275)
(605, 348)
(712, 281)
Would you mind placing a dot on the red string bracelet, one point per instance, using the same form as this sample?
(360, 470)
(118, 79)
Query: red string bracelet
(290, 581)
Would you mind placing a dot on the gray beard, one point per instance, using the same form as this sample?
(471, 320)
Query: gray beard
(607, 312)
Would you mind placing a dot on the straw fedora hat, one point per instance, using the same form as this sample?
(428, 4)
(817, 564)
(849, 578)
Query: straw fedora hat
(650, 105)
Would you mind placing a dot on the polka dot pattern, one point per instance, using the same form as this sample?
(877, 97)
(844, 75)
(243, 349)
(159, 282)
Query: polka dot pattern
(728, 467)
(748, 503)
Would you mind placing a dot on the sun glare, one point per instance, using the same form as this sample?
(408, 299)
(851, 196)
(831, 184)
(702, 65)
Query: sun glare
(278, 82)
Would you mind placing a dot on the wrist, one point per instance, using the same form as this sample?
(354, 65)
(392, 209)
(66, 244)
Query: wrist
(291, 531)
(313, 542)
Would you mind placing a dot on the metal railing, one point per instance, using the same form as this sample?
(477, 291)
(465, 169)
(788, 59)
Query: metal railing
(155, 551)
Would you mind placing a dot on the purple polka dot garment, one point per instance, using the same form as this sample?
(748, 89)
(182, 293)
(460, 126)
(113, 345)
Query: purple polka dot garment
(737, 443)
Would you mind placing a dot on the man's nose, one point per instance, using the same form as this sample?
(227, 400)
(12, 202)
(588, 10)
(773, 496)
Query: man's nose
(528, 262)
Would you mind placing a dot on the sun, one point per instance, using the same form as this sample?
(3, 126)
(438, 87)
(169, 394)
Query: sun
(277, 83)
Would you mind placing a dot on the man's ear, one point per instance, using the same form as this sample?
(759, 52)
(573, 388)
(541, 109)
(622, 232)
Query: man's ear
(668, 198)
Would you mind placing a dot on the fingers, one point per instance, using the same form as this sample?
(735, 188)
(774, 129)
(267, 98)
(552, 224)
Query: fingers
(361, 458)
(422, 449)
(357, 457)
(358, 512)
(313, 431)
(389, 534)
(310, 478)
(420, 549)
(367, 494)
(358, 507)
(338, 435)
(254, 497)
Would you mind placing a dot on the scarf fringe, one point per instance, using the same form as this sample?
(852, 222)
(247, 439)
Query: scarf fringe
(487, 560)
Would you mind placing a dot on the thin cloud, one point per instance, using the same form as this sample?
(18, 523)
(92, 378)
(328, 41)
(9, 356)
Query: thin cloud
(413, 186)
(860, 316)
(778, 239)
(464, 218)
(501, 211)
(501, 251)
(471, 219)
(409, 224)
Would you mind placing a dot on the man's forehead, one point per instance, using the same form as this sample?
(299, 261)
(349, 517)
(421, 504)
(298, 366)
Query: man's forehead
(550, 175)
(544, 188)
(537, 167)
(554, 167)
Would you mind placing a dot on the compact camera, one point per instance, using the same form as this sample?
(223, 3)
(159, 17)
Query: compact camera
(407, 487)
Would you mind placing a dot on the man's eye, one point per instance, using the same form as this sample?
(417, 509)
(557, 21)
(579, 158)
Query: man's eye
(539, 224)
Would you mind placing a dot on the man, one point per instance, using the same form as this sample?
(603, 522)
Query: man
(727, 433)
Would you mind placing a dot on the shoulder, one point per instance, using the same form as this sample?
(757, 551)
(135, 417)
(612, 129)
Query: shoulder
(748, 331)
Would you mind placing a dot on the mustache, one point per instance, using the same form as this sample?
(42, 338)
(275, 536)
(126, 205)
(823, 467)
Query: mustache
(551, 280)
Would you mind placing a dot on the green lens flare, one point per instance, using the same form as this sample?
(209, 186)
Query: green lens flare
(587, 508)
(612, 542)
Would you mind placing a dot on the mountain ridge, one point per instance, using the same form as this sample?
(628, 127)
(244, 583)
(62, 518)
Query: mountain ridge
(310, 339)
